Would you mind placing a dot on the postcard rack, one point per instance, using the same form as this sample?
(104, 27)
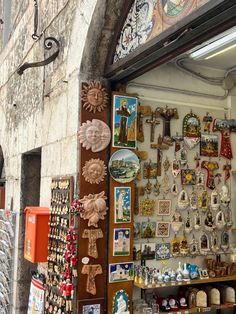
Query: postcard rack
(6, 260)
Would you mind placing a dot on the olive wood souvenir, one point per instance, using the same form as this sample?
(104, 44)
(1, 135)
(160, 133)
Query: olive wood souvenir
(215, 200)
(220, 220)
(191, 130)
(210, 167)
(94, 135)
(160, 146)
(95, 208)
(94, 171)
(167, 114)
(142, 111)
(92, 235)
(201, 299)
(183, 200)
(91, 271)
(153, 121)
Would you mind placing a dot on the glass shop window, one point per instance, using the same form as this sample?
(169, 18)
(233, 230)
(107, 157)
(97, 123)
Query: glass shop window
(6, 21)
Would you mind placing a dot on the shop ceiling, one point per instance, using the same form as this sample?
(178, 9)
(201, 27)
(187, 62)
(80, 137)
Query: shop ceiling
(193, 31)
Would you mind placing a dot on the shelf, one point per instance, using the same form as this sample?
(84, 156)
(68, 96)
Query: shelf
(187, 283)
(202, 310)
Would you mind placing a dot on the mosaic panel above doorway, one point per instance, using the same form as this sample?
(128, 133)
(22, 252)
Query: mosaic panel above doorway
(148, 18)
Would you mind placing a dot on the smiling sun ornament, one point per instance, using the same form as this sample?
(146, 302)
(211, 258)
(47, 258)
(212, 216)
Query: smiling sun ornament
(94, 171)
(94, 135)
(94, 97)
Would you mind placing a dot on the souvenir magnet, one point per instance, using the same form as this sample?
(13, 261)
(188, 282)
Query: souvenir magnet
(183, 200)
(177, 222)
(215, 201)
(163, 207)
(188, 177)
(162, 229)
(191, 130)
(193, 247)
(225, 240)
(122, 202)
(147, 207)
(209, 145)
(209, 221)
(162, 251)
(204, 244)
(210, 167)
(220, 220)
(120, 302)
(184, 247)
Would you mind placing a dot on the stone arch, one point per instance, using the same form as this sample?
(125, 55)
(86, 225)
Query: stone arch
(100, 36)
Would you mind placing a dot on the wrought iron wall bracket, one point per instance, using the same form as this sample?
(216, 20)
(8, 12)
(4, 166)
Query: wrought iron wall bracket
(49, 43)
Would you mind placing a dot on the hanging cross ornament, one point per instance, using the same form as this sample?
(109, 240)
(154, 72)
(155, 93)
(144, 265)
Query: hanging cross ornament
(226, 169)
(159, 147)
(225, 126)
(178, 139)
(143, 111)
(210, 167)
(166, 114)
(153, 122)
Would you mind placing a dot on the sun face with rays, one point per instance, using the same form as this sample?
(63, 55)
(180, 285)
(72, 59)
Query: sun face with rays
(94, 171)
(94, 135)
(94, 97)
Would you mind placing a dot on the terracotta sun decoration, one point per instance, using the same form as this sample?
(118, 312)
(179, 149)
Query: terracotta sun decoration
(94, 171)
(94, 97)
(94, 135)
(94, 208)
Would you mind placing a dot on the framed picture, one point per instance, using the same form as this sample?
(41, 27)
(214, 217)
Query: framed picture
(163, 207)
(121, 272)
(162, 229)
(124, 121)
(209, 145)
(121, 242)
(122, 206)
(148, 251)
(91, 309)
(137, 252)
(188, 177)
(137, 230)
(162, 251)
(148, 229)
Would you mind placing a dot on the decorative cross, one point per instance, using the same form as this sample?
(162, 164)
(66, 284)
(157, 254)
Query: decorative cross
(210, 167)
(143, 111)
(159, 147)
(177, 139)
(153, 122)
(166, 114)
(226, 169)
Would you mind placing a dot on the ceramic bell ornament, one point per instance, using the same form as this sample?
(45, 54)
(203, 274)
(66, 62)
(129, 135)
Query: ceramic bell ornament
(177, 222)
(204, 244)
(174, 189)
(183, 200)
(184, 247)
(220, 220)
(214, 242)
(215, 201)
(225, 196)
(193, 200)
(197, 221)
(188, 224)
(209, 221)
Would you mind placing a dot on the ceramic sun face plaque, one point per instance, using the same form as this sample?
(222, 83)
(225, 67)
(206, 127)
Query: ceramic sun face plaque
(94, 171)
(121, 242)
(94, 97)
(120, 302)
(122, 204)
(191, 130)
(123, 166)
(94, 135)
(209, 145)
(124, 121)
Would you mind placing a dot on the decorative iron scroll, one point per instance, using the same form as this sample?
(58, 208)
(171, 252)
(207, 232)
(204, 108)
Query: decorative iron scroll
(48, 45)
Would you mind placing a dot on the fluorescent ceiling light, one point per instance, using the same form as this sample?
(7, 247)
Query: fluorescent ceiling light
(216, 47)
